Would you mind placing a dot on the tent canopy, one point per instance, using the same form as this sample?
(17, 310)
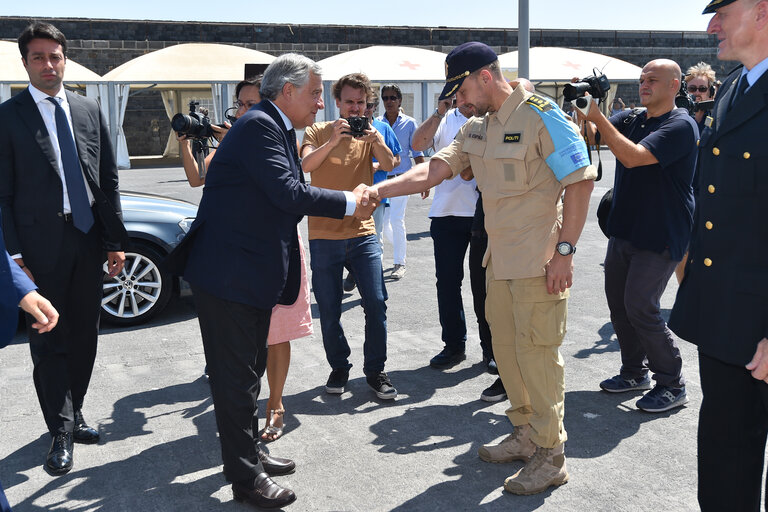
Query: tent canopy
(387, 63)
(14, 72)
(559, 65)
(194, 64)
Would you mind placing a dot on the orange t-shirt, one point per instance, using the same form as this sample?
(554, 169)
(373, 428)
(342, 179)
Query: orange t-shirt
(346, 166)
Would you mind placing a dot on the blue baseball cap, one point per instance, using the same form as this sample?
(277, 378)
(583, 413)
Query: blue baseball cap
(462, 61)
(715, 5)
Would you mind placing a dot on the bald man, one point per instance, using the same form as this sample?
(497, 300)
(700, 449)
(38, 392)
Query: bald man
(649, 227)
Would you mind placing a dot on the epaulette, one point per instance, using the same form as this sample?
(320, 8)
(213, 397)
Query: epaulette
(539, 102)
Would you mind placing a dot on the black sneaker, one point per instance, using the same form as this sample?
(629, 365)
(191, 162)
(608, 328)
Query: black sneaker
(447, 358)
(349, 283)
(490, 364)
(381, 385)
(494, 393)
(336, 381)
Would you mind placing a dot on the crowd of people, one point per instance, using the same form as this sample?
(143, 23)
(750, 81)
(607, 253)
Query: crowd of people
(512, 182)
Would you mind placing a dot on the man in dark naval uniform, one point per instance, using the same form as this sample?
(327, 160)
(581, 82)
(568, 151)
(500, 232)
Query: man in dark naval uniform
(722, 303)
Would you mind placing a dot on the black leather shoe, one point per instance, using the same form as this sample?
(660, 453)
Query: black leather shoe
(263, 492)
(276, 466)
(82, 433)
(59, 458)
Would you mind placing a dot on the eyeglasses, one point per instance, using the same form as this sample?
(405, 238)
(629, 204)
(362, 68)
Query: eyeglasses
(389, 98)
(247, 105)
(370, 105)
(701, 88)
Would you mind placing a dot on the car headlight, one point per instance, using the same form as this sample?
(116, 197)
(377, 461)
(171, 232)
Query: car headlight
(185, 224)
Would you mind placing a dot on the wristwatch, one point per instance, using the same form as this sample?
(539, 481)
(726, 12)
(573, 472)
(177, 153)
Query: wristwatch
(437, 114)
(565, 248)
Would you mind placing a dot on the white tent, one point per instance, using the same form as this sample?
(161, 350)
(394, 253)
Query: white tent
(182, 72)
(553, 67)
(15, 76)
(419, 73)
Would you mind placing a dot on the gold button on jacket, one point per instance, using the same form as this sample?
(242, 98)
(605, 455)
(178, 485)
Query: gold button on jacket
(708, 225)
(707, 262)
(711, 189)
(716, 151)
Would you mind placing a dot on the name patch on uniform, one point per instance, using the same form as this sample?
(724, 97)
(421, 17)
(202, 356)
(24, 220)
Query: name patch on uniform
(511, 137)
(539, 102)
(708, 121)
(475, 136)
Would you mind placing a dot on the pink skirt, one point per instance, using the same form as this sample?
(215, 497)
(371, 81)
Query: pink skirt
(294, 321)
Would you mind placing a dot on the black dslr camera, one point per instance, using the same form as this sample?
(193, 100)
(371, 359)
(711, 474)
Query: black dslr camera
(596, 85)
(357, 125)
(194, 125)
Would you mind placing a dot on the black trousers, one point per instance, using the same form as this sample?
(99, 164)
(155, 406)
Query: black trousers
(235, 344)
(63, 358)
(733, 424)
(477, 247)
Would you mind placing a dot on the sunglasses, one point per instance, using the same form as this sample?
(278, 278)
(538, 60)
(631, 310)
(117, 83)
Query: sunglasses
(701, 88)
(389, 98)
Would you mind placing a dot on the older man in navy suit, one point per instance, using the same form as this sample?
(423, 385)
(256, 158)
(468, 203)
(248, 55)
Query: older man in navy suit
(241, 257)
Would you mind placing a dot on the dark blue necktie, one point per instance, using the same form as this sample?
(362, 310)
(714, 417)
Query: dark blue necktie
(741, 88)
(82, 216)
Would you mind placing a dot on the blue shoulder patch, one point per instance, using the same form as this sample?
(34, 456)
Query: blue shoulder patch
(570, 152)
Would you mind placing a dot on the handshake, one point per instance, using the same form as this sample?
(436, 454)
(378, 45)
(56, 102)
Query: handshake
(366, 199)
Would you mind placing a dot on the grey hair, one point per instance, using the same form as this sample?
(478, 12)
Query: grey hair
(288, 68)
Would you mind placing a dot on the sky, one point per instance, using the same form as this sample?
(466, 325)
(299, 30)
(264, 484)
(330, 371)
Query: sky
(564, 14)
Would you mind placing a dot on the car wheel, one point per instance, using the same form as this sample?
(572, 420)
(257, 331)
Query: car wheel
(140, 291)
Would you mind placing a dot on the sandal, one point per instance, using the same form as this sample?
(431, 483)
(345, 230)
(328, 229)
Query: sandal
(271, 432)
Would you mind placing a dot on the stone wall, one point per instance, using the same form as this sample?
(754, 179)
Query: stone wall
(102, 45)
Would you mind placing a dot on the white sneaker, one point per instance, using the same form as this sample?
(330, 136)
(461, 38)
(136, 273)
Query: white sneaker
(398, 271)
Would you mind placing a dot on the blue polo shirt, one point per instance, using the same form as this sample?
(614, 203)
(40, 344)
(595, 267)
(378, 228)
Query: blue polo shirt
(653, 204)
(390, 139)
(404, 128)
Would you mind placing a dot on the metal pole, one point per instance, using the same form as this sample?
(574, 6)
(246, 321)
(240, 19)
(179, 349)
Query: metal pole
(523, 40)
(113, 109)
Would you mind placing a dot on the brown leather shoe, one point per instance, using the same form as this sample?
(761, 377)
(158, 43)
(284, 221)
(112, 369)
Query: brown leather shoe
(263, 492)
(276, 466)
(60, 455)
(82, 433)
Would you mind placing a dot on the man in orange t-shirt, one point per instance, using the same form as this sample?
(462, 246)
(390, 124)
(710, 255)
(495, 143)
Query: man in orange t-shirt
(336, 156)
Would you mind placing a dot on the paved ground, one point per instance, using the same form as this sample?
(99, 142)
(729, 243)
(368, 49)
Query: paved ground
(159, 450)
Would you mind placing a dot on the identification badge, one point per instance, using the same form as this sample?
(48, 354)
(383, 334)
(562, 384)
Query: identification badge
(511, 138)
(708, 121)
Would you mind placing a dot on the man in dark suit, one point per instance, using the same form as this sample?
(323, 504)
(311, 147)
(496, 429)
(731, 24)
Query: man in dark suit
(722, 303)
(241, 257)
(61, 210)
(16, 289)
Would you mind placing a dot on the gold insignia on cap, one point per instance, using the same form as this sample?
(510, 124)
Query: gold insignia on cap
(450, 93)
(457, 77)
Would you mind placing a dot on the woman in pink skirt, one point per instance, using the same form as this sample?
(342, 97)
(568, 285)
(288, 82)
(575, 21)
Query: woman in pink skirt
(287, 323)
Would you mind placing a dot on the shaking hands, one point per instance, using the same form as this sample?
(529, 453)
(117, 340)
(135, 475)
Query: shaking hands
(367, 199)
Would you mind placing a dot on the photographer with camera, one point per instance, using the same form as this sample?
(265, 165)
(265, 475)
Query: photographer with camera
(247, 93)
(700, 83)
(338, 153)
(649, 227)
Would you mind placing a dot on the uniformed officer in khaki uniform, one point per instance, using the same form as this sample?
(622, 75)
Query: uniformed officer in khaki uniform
(722, 303)
(524, 152)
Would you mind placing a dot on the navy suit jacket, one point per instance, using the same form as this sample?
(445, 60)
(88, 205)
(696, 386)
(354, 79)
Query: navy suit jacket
(14, 285)
(243, 245)
(722, 303)
(31, 194)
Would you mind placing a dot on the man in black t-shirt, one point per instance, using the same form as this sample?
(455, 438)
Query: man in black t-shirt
(649, 228)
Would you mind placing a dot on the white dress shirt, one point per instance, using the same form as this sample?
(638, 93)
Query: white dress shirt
(48, 113)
